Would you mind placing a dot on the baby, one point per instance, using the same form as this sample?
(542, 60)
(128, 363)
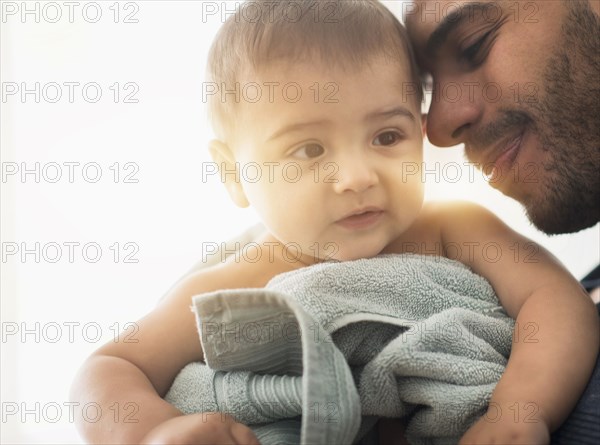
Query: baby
(316, 107)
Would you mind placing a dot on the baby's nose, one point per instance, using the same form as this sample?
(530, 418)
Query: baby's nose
(354, 174)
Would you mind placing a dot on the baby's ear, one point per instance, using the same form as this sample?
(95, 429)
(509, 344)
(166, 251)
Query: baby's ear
(229, 171)
(424, 124)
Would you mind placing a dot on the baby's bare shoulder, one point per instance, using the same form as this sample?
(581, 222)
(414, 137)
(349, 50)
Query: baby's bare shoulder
(438, 209)
(457, 218)
(440, 223)
(249, 269)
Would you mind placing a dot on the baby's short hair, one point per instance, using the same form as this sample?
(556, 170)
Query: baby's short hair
(345, 33)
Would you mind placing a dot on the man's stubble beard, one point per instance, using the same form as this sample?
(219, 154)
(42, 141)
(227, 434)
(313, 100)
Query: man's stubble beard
(568, 124)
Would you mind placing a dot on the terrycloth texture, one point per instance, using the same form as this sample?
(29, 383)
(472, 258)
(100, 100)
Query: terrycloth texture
(322, 352)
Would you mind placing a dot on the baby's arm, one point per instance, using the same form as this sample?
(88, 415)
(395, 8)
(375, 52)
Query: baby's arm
(130, 378)
(556, 338)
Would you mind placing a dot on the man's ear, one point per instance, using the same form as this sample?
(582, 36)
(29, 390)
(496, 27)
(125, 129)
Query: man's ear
(424, 124)
(229, 171)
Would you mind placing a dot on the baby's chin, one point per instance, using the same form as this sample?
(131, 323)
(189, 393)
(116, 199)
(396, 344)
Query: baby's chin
(356, 253)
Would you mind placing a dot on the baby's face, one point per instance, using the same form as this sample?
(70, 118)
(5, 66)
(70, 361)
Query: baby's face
(331, 159)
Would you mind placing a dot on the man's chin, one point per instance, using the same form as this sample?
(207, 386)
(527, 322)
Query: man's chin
(560, 220)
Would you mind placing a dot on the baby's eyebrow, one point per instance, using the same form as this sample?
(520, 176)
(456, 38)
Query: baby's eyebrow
(386, 114)
(295, 127)
(375, 115)
(452, 22)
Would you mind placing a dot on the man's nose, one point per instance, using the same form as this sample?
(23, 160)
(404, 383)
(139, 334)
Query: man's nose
(456, 106)
(354, 173)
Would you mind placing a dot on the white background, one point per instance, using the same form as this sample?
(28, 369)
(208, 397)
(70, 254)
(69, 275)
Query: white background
(168, 213)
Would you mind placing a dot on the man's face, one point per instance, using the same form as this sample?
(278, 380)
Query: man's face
(519, 84)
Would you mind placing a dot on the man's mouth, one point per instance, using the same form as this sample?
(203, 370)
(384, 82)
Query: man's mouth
(361, 218)
(501, 158)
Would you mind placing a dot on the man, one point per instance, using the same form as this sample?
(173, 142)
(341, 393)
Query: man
(524, 81)
(518, 83)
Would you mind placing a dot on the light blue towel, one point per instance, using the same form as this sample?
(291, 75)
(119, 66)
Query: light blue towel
(323, 352)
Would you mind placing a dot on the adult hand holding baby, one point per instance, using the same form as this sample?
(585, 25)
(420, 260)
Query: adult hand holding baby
(201, 428)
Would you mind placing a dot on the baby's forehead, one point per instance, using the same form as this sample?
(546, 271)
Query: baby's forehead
(311, 85)
(317, 68)
(272, 52)
(314, 87)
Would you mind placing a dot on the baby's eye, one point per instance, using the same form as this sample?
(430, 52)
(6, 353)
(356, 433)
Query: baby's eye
(387, 138)
(309, 151)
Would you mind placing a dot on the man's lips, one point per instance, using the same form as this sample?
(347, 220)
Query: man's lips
(501, 158)
(361, 218)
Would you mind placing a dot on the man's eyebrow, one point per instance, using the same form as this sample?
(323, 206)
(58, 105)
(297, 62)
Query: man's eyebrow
(295, 127)
(450, 23)
(386, 114)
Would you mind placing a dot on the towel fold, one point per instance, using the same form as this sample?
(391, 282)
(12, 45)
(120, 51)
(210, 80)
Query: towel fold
(323, 352)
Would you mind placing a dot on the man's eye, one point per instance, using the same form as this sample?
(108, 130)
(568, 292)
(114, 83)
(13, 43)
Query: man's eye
(386, 139)
(472, 53)
(309, 151)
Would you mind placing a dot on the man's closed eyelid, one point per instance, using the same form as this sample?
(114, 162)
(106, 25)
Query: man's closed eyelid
(471, 51)
(476, 53)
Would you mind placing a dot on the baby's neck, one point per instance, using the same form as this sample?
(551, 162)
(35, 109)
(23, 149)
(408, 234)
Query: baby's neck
(286, 255)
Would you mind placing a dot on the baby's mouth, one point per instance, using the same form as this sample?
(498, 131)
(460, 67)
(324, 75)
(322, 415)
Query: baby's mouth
(361, 219)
